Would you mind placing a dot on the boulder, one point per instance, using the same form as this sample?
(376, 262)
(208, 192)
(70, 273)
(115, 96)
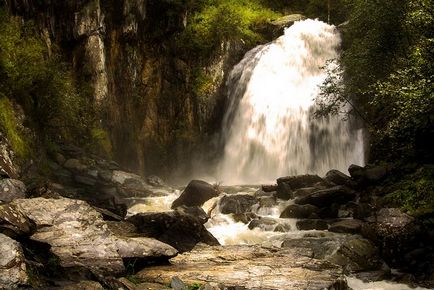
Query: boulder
(267, 201)
(357, 254)
(269, 187)
(312, 224)
(244, 217)
(196, 193)
(301, 192)
(155, 181)
(395, 232)
(300, 211)
(322, 198)
(180, 230)
(336, 177)
(237, 203)
(74, 165)
(249, 267)
(269, 224)
(11, 189)
(367, 175)
(12, 264)
(284, 191)
(347, 226)
(300, 181)
(78, 236)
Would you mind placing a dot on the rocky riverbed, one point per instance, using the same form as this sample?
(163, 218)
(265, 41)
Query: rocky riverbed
(94, 225)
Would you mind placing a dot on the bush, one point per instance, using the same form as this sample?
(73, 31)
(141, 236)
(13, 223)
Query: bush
(223, 20)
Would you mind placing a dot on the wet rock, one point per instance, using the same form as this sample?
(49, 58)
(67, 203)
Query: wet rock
(180, 230)
(307, 211)
(244, 217)
(212, 286)
(348, 226)
(85, 180)
(177, 284)
(267, 201)
(79, 237)
(196, 193)
(155, 181)
(13, 222)
(11, 189)
(312, 224)
(357, 254)
(363, 210)
(83, 285)
(322, 198)
(249, 267)
(269, 187)
(336, 177)
(74, 165)
(195, 211)
(237, 203)
(284, 191)
(12, 264)
(367, 175)
(395, 232)
(301, 192)
(300, 181)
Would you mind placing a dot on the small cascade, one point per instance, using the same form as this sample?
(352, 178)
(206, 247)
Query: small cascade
(269, 130)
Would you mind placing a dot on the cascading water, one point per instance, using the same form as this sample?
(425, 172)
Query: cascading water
(270, 132)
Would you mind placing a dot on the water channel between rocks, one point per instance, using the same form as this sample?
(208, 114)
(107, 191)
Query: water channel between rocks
(271, 233)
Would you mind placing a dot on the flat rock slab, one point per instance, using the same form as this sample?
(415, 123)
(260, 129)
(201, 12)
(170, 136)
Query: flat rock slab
(12, 264)
(249, 267)
(78, 235)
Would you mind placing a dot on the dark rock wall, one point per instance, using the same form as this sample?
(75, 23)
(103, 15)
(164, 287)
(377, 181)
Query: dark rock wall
(125, 51)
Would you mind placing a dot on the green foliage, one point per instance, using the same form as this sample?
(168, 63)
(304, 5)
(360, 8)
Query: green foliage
(134, 279)
(217, 21)
(101, 141)
(415, 193)
(194, 286)
(388, 76)
(8, 124)
(41, 83)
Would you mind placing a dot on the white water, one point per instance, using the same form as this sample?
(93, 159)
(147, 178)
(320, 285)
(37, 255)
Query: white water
(269, 129)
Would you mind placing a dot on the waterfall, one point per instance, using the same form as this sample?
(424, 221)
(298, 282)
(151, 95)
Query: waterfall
(269, 130)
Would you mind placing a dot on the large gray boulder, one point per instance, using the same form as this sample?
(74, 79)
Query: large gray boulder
(339, 178)
(78, 235)
(11, 189)
(236, 203)
(348, 226)
(326, 197)
(196, 193)
(176, 228)
(12, 264)
(300, 211)
(249, 267)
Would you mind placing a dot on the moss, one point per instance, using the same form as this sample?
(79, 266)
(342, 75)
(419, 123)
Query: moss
(414, 193)
(203, 84)
(8, 124)
(194, 286)
(101, 141)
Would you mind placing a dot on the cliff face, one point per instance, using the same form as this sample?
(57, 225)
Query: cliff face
(125, 51)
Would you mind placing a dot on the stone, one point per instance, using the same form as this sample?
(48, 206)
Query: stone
(336, 177)
(267, 201)
(396, 232)
(12, 264)
(105, 175)
(301, 192)
(74, 165)
(236, 203)
(356, 171)
(322, 198)
(300, 181)
(357, 254)
(300, 211)
(244, 217)
(269, 187)
(11, 189)
(196, 193)
(347, 226)
(79, 237)
(155, 181)
(178, 229)
(83, 285)
(177, 284)
(60, 159)
(248, 267)
(284, 191)
(85, 180)
(312, 224)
